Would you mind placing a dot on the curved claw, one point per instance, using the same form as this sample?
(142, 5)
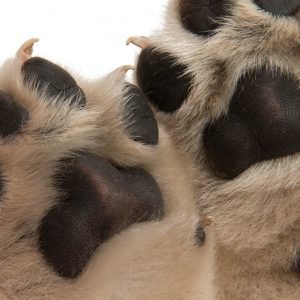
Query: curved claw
(125, 68)
(140, 41)
(205, 222)
(121, 71)
(25, 51)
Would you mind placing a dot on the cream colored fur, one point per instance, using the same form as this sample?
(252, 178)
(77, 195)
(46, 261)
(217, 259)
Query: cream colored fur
(258, 213)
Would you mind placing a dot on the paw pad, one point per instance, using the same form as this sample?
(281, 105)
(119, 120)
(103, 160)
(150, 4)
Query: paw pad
(57, 81)
(202, 17)
(279, 7)
(13, 115)
(162, 79)
(142, 124)
(97, 201)
(262, 123)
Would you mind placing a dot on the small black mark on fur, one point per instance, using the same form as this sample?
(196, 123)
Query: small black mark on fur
(201, 16)
(13, 115)
(279, 7)
(263, 123)
(199, 235)
(97, 201)
(56, 80)
(143, 126)
(162, 79)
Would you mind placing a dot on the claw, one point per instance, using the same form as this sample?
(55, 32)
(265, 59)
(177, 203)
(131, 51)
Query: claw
(140, 41)
(125, 68)
(205, 222)
(25, 51)
(121, 71)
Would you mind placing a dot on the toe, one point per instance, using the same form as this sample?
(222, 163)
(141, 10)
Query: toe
(142, 124)
(163, 80)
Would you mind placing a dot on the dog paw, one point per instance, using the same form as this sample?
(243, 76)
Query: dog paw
(70, 151)
(223, 77)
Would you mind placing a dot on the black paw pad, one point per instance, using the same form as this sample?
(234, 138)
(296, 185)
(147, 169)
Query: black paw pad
(279, 7)
(57, 81)
(201, 17)
(13, 115)
(143, 126)
(97, 201)
(162, 79)
(263, 123)
(199, 235)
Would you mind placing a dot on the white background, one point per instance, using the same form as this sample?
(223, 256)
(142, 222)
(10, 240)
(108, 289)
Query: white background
(88, 36)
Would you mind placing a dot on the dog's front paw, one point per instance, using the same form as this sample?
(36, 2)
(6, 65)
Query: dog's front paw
(223, 76)
(69, 155)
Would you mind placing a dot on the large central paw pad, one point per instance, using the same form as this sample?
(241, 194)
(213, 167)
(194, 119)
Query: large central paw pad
(97, 201)
(262, 123)
(70, 148)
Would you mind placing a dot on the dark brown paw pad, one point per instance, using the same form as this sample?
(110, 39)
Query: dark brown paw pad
(262, 123)
(279, 7)
(162, 79)
(98, 200)
(202, 17)
(142, 123)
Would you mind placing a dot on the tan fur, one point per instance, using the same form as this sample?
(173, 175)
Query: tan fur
(258, 213)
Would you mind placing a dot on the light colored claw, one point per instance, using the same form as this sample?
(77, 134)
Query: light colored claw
(25, 51)
(140, 41)
(125, 68)
(121, 71)
(205, 222)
